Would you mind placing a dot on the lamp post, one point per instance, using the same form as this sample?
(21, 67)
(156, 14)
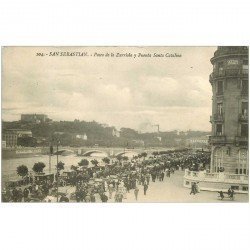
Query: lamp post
(50, 154)
(57, 172)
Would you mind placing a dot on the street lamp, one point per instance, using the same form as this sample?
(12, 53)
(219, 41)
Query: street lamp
(57, 171)
(50, 154)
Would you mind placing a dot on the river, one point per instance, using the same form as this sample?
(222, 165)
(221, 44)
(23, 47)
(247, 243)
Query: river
(9, 166)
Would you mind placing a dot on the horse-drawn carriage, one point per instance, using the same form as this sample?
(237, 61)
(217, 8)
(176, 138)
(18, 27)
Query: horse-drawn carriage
(44, 178)
(67, 177)
(14, 183)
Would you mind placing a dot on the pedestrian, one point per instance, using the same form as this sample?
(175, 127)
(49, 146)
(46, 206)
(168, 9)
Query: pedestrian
(120, 197)
(193, 188)
(145, 188)
(168, 173)
(116, 197)
(26, 194)
(148, 178)
(20, 195)
(221, 195)
(15, 194)
(232, 194)
(162, 176)
(92, 197)
(136, 191)
(87, 198)
(104, 197)
(111, 189)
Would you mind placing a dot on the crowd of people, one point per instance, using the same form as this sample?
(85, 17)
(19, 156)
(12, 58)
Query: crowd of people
(111, 182)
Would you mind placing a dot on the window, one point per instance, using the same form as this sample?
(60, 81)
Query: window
(218, 159)
(235, 187)
(219, 129)
(243, 161)
(244, 109)
(245, 64)
(219, 108)
(244, 188)
(244, 87)
(220, 88)
(220, 68)
(244, 130)
(220, 65)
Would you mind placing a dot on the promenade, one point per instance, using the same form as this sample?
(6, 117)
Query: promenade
(170, 190)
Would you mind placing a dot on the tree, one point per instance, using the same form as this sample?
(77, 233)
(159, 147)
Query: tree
(60, 166)
(135, 157)
(124, 158)
(22, 170)
(144, 155)
(73, 167)
(38, 167)
(119, 158)
(94, 162)
(106, 160)
(83, 163)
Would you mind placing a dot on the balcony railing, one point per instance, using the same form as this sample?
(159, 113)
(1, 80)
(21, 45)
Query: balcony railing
(243, 118)
(228, 73)
(241, 139)
(217, 118)
(217, 139)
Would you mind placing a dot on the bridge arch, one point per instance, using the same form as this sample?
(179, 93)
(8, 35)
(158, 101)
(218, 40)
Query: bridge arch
(90, 152)
(129, 154)
(64, 152)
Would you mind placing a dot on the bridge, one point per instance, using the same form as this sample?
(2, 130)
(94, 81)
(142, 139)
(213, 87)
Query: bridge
(108, 152)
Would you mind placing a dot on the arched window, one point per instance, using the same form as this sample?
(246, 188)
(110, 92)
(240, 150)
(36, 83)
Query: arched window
(243, 162)
(218, 159)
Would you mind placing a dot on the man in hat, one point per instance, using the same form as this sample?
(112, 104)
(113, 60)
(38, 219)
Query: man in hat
(136, 191)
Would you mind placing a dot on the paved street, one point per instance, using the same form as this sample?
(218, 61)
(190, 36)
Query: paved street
(172, 190)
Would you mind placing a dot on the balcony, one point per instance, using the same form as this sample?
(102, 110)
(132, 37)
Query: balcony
(241, 140)
(217, 139)
(243, 118)
(221, 73)
(217, 118)
(232, 72)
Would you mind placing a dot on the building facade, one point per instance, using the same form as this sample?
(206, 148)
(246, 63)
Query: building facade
(229, 140)
(197, 142)
(34, 118)
(10, 136)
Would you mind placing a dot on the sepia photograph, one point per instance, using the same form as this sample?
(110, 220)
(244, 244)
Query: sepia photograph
(125, 124)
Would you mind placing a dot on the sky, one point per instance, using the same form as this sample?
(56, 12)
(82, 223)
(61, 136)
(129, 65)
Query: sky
(120, 91)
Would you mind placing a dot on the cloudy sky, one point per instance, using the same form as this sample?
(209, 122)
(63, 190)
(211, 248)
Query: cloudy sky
(173, 92)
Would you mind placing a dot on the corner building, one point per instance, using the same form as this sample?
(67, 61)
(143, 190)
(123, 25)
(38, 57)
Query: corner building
(229, 140)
